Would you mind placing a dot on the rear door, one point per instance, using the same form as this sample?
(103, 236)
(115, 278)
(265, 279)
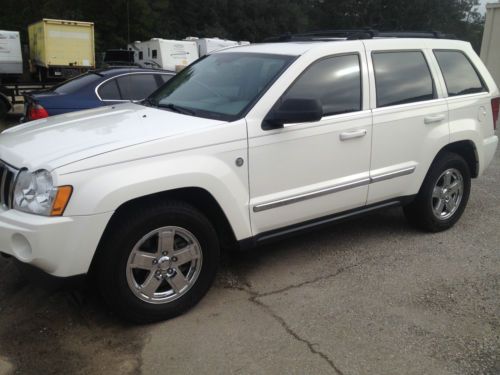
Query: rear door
(410, 117)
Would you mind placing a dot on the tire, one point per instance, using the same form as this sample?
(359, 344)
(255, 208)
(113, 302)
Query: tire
(443, 195)
(137, 279)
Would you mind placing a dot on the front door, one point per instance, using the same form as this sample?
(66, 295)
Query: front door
(306, 171)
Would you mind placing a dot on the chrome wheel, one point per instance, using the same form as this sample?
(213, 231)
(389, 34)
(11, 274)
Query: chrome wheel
(164, 265)
(447, 193)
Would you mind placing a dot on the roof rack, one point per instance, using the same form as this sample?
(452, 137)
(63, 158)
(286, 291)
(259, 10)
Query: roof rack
(354, 34)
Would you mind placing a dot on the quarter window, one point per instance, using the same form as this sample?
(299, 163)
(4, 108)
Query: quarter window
(335, 81)
(402, 77)
(459, 75)
(154, 54)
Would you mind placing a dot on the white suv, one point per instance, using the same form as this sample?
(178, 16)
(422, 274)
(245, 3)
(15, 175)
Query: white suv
(245, 146)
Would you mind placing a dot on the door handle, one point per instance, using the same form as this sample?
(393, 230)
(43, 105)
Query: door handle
(353, 134)
(433, 119)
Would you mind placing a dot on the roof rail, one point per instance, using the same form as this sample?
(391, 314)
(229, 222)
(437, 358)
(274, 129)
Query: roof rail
(353, 34)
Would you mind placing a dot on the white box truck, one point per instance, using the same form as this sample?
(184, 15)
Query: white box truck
(490, 47)
(11, 66)
(11, 59)
(165, 54)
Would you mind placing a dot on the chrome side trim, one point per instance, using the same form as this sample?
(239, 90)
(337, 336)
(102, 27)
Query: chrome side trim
(394, 174)
(312, 194)
(333, 189)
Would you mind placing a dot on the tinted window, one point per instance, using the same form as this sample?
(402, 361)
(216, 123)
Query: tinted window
(137, 86)
(140, 55)
(459, 74)
(155, 54)
(76, 84)
(335, 81)
(222, 85)
(109, 91)
(402, 77)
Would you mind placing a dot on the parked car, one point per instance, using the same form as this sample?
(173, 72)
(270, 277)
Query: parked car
(93, 89)
(243, 147)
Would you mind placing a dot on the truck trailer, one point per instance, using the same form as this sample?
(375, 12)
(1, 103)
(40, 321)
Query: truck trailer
(60, 48)
(490, 47)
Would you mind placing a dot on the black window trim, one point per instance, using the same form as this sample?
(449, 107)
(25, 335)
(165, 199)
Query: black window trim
(121, 75)
(361, 71)
(481, 79)
(422, 51)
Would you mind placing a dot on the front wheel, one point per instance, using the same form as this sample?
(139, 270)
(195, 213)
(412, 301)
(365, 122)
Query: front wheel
(158, 263)
(443, 195)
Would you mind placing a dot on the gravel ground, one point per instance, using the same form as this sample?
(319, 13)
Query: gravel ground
(371, 296)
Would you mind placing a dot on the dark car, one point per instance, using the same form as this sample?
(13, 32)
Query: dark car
(94, 89)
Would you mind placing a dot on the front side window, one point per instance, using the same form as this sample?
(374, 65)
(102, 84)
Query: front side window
(402, 77)
(459, 75)
(334, 81)
(220, 86)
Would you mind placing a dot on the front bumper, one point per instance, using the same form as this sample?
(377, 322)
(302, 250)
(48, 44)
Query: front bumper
(60, 246)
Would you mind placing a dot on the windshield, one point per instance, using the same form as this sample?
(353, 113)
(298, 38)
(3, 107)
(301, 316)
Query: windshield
(220, 86)
(75, 84)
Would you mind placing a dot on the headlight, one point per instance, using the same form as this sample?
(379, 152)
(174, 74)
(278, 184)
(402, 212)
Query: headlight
(35, 193)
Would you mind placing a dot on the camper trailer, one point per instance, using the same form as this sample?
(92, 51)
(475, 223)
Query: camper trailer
(208, 45)
(164, 53)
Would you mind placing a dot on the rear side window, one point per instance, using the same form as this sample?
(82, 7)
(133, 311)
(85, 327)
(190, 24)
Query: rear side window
(109, 91)
(165, 78)
(335, 81)
(459, 74)
(137, 86)
(76, 84)
(402, 77)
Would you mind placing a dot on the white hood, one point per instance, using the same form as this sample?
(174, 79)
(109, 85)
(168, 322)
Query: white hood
(64, 139)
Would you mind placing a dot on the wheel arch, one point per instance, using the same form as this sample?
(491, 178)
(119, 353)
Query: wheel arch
(466, 149)
(198, 197)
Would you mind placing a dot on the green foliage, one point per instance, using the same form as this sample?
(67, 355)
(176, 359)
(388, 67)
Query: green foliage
(250, 20)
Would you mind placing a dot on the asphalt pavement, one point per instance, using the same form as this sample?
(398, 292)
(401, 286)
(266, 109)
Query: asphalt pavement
(370, 296)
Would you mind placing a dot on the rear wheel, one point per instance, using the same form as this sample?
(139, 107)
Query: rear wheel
(443, 195)
(158, 263)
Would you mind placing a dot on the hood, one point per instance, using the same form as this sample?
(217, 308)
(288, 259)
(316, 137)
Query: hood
(56, 141)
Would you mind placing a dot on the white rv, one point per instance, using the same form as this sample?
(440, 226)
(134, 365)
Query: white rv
(490, 51)
(164, 53)
(11, 59)
(208, 45)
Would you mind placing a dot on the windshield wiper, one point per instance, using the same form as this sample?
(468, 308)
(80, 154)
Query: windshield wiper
(177, 108)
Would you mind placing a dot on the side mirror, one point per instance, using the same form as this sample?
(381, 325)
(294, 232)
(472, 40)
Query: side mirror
(293, 111)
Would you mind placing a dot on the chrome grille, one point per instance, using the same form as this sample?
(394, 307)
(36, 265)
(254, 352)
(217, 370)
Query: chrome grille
(8, 176)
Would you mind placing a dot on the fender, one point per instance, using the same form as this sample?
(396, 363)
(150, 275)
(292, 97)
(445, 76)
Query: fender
(213, 169)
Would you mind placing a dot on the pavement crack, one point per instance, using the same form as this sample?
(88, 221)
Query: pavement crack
(291, 332)
(308, 282)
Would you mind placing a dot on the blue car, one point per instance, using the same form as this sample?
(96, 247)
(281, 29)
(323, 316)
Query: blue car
(94, 89)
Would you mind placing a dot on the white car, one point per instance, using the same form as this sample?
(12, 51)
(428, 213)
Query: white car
(243, 147)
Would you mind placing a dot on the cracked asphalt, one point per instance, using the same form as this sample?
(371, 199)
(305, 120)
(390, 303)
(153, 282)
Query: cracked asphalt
(369, 296)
